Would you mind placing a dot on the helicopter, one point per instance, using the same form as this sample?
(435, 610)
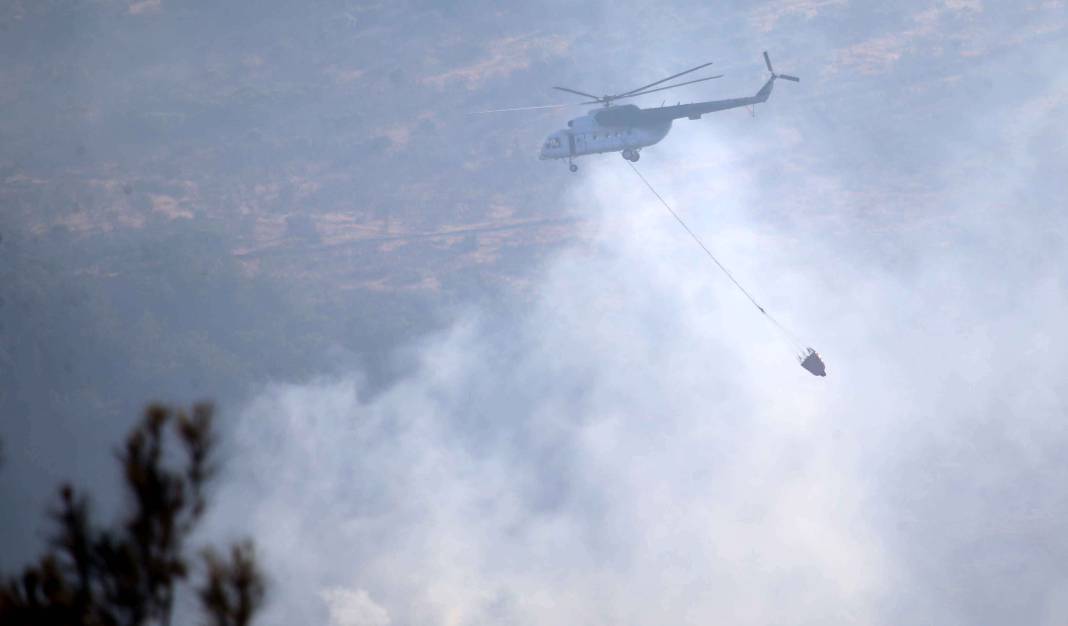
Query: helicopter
(628, 128)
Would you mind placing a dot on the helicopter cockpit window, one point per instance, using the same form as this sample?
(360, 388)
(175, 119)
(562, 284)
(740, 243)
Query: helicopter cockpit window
(553, 142)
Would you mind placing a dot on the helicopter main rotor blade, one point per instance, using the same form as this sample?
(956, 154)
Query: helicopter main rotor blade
(788, 77)
(689, 82)
(540, 106)
(661, 81)
(579, 93)
(767, 61)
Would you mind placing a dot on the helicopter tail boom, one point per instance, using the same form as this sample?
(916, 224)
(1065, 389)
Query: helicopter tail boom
(697, 109)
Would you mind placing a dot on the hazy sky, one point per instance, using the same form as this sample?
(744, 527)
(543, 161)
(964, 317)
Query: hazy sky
(622, 439)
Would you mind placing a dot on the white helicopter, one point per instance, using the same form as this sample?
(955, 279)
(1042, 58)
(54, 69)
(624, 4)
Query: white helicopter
(628, 128)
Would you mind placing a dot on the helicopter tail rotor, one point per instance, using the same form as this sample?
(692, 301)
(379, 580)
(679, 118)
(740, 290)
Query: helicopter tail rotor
(767, 61)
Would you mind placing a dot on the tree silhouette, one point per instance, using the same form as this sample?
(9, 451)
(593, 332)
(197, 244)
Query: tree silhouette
(127, 574)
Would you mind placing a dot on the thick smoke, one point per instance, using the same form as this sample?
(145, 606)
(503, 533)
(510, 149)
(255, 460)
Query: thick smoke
(629, 441)
(637, 445)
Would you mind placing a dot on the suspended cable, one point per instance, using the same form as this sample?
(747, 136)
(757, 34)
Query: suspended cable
(726, 272)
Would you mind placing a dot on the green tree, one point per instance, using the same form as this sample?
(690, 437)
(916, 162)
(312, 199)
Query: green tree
(127, 574)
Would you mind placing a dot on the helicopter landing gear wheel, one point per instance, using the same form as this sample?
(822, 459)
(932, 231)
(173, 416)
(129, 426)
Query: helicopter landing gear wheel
(631, 155)
(572, 167)
(637, 155)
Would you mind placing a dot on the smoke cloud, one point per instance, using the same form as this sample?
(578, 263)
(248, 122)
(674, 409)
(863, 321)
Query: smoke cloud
(622, 439)
(635, 443)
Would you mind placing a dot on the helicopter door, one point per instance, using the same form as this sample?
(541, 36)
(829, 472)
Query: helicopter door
(581, 144)
(570, 143)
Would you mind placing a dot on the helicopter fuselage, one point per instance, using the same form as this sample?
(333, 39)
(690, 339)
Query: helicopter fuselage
(590, 135)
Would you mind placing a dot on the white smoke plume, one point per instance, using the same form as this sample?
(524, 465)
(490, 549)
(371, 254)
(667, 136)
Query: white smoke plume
(636, 445)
